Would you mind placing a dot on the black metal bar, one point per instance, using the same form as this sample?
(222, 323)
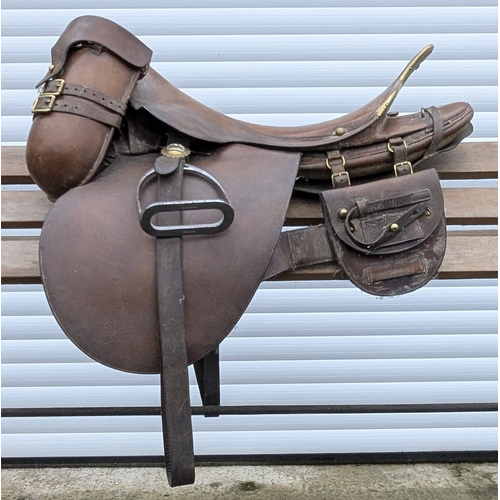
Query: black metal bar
(278, 459)
(254, 410)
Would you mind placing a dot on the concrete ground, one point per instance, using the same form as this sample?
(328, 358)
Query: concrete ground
(464, 481)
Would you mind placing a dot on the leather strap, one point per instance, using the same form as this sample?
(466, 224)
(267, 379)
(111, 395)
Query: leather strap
(175, 401)
(300, 248)
(335, 161)
(60, 87)
(438, 133)
(46, 103)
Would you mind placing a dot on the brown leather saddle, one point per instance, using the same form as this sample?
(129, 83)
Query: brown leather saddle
(168, 215)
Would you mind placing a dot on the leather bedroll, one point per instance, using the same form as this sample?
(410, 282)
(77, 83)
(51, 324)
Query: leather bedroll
(168, 214)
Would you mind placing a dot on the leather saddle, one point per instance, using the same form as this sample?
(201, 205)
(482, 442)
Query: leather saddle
(168, 214)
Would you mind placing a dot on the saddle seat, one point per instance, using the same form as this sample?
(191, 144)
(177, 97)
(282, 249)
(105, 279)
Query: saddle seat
(173, 107)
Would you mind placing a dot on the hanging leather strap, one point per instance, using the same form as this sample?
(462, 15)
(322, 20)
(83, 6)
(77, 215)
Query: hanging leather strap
(175, 401)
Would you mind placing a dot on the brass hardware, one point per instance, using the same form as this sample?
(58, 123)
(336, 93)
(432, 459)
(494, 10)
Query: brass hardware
(49, 104)
(393, 113)
(400, 81)
(338, 174)
(428, 212)
(342, 158)
(394, 228)
(342, 213)
(396, 165)
(51, 67)
(49, 96)
(389, 147)
(175, 151)
(340, 131)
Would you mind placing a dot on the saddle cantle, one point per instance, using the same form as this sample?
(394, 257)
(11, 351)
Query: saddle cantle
(168, 214)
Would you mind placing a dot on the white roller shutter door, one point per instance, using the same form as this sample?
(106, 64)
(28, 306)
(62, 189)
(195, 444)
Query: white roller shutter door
(282, 63)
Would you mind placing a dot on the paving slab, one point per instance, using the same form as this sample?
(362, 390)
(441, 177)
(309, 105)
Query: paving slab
(463, 481)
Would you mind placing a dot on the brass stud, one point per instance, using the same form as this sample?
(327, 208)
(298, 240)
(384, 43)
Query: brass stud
(394, 228)
(340, 131)
(51, 67)
(342, 213)
(428, 212)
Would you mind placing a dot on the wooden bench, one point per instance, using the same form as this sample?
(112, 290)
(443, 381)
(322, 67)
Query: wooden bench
(470, 253)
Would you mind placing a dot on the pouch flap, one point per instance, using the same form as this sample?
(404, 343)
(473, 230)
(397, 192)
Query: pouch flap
(388, 215)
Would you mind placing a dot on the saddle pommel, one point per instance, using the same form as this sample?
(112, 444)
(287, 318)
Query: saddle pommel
(402, 78)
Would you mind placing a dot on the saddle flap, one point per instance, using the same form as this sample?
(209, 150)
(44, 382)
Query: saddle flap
(104, 295)
(388, 235)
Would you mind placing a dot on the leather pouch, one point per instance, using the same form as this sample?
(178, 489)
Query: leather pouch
(389, 236)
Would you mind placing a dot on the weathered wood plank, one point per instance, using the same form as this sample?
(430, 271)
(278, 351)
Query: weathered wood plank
(468, 255)
(14, 170)
(28, 209)
(20, 260)
(462, 207)
(470, 160)
(24, 209)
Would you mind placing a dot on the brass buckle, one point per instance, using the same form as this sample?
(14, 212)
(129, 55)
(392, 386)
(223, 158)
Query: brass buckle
(49, 103)
(50, 97)
(338, 174)
(400, 164)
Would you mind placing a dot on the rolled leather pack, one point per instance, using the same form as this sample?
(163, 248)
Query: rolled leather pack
(83, 98)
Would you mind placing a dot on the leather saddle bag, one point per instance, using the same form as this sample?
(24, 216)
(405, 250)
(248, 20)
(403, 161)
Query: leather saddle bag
(389, 236)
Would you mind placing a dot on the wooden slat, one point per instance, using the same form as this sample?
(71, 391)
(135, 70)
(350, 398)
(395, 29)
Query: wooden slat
(14, 169)
(27, 209)
(470, 160)
(468, 255)
(24, 209)
(477, 206)
(20, 260)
